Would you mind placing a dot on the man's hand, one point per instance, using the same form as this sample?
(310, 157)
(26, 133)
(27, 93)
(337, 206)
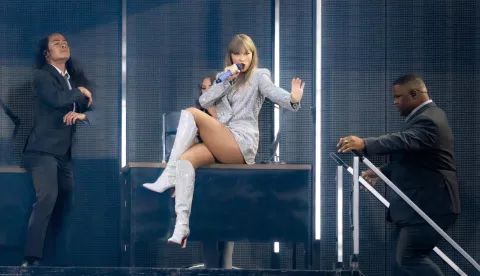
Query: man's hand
(349, 143)
(370, 177)
(87, 94)
(72, 117)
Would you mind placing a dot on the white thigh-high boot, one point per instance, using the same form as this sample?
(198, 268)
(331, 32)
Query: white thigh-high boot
(184, 186)
(184, 139)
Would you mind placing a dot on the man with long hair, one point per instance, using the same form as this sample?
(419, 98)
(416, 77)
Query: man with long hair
(61, 99)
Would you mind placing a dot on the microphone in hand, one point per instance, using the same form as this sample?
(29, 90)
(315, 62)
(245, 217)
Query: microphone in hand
(229, 73)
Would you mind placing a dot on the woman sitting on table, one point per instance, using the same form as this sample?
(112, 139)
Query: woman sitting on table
(232, 138)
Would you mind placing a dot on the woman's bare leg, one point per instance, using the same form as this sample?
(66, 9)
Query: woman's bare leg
(217, 138)
(186, 133)
(218, 141)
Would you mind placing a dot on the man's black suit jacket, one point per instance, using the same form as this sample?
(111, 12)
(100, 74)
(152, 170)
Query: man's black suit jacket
(52, 100)
(421, 165)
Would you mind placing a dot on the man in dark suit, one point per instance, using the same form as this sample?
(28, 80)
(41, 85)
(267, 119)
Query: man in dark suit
(422, 166)
(61, 99)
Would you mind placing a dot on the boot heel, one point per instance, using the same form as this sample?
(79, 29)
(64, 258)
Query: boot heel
(184, 242)
(184, 186)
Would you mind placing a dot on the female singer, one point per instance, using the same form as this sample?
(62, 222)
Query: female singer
(231, 138)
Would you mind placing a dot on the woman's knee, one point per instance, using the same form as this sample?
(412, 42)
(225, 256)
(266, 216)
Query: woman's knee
(193, 110)
(186, 156)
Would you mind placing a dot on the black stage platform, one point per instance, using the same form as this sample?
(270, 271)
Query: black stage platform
(130, 271)
(251, 205)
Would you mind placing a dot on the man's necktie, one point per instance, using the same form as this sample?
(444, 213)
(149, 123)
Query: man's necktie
(66, 77)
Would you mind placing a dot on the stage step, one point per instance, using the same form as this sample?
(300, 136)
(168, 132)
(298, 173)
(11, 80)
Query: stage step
(134, 271)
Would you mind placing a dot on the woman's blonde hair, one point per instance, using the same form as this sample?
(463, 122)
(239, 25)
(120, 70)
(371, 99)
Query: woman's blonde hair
(238, 44)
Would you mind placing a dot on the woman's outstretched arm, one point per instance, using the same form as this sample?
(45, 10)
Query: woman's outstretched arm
(284, 99)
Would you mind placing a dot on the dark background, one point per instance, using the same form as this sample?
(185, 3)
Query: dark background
(172, 45)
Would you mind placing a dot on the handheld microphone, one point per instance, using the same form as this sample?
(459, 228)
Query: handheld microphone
(227, 74)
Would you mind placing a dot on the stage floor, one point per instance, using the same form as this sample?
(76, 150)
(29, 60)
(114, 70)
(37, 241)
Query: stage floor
(134, 271)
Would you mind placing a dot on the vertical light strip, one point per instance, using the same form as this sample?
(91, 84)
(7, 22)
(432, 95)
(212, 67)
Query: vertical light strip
(339, 214)
(355, 207)
(276, 70)
(124, 84)
(276, 80)
(318, 117)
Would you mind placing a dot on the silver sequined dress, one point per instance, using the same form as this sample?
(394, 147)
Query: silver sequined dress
(239, 109)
